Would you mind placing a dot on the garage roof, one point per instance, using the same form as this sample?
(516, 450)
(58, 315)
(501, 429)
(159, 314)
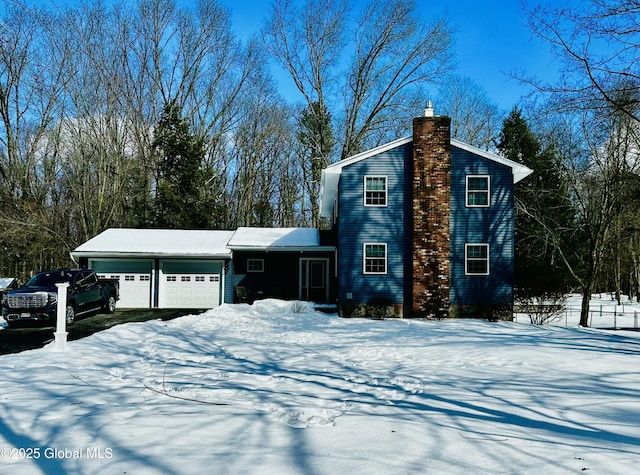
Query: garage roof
(6, 282)
(157, 242)
(276, 239)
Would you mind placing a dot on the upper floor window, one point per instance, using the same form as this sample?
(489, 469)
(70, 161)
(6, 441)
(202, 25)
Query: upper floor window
(255, 265)
(478, 190)
(476, 259)
(375, 190)
(375, 258)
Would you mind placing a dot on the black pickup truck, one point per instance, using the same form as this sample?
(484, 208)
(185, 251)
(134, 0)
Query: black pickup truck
(38, 298)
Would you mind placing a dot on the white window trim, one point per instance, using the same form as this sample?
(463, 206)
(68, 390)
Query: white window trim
(386, 191)
(466, 258)
(467, 191)
(261, 261)
(364, 258)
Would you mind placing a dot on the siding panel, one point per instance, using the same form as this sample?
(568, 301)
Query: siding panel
(359, 224)
(492, 225)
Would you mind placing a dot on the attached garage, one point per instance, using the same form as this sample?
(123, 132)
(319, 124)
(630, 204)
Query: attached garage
(160, 268)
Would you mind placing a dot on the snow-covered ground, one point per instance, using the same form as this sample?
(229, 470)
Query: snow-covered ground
(264, 390)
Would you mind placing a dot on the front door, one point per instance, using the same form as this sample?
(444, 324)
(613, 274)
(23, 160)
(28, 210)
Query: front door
(314, 280)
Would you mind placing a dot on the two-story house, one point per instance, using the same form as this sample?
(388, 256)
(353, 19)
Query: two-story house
(424, 226)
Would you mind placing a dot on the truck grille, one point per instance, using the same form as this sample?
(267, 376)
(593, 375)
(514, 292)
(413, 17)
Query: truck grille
(26, 301)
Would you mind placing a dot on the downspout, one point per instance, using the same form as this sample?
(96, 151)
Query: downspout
(224, 287)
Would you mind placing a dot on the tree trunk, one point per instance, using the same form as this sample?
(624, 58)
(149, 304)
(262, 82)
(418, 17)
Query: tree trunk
(618, 260)
(584, 309)
(636, 277)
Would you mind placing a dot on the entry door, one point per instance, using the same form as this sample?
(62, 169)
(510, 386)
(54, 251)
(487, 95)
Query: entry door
(314, 280)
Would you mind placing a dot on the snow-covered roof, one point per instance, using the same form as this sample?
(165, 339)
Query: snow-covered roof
(6, 282)
(275, 238)
(331, 174)
(157, 242)
(119, 242)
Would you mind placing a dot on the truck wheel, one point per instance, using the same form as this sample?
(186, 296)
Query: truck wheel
(70, 314)
(110, 304)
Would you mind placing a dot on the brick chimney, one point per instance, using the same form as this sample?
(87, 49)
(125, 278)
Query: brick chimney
(431, 204)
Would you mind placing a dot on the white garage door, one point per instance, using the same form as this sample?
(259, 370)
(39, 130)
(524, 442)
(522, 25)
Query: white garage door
(134, 277)
(135, 288)
(190, 291)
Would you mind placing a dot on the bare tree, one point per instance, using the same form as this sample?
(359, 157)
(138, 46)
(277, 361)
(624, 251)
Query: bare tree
(307, 39)
(634, 273)
(596, 43)
(601, 163)
(157, 54)
(475, 119)
(94, 141)
(34, 64)
(81, 90)
(389, 53)
(396, 54)
(260, 160)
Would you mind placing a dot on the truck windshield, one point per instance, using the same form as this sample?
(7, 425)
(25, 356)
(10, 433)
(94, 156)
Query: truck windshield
(47, 279)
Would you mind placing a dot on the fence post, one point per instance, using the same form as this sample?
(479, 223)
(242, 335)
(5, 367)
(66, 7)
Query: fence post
(635, 319)
(61, 317)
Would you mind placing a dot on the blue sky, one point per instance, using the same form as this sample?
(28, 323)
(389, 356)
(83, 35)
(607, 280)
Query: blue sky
(492, 40)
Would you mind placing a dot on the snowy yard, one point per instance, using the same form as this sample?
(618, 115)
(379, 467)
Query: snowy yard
(263, 390)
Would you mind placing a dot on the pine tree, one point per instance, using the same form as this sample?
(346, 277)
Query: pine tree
(181, 200)
(316, 140)
(541, 203)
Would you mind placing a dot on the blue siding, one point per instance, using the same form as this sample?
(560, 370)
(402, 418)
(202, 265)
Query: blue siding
(493, 225)
(358, 224)
(229, 282)
(392, 225)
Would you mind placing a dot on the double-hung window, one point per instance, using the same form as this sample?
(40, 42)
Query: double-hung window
(476, 259)
(375, 190)
(478, 191)
(375, 258)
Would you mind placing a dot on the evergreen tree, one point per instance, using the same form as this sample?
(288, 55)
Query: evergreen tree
(316, 140)
(181, 198)
(541, 202)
